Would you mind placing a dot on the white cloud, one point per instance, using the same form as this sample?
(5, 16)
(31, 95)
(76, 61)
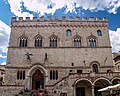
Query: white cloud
(115, 40)
(4, 36)
(15, 7)
(1, 56)
(41, 6)
(4, 63)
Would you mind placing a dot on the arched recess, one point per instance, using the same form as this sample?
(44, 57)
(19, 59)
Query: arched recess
(35, 70)
(82, 87)
(115, 80)
(95, 66)
(101, 83)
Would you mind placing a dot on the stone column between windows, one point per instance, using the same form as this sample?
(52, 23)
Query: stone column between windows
(93, 94)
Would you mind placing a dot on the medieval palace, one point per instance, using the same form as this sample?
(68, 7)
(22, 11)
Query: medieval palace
(67, 57)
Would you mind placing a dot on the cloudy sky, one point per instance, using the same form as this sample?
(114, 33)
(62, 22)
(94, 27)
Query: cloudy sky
(38, 8)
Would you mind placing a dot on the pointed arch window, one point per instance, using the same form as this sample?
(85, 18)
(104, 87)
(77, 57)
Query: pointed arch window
(38, 41)
(99, 33)
(23, 41)
(68, 32)
(53, 41)
(92, 42)
(77, 42)
(95, 68)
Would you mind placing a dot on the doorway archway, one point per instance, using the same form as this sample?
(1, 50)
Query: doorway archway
(38, 80)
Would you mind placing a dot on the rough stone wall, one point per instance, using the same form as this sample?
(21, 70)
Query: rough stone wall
(8, 90)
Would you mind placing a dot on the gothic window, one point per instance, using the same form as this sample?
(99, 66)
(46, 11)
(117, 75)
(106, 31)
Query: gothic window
(53, 41)
(92, 42)
(38, 41)
(23, 41)
(77, 41)
(68, 32)
(20, 75)
(99, 33)
(95, 68)
(53, 75)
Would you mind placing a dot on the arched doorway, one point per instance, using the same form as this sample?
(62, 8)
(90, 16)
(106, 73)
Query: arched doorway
(99, 84)
(83, 88)
(38, 80)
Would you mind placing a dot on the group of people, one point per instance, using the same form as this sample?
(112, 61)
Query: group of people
(39, 92)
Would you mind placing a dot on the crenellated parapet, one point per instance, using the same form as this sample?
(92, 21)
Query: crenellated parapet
(70, 19)
(56, 22)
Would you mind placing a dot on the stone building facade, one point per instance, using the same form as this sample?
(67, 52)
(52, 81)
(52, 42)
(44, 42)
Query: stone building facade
(116, 61)
(67, 57)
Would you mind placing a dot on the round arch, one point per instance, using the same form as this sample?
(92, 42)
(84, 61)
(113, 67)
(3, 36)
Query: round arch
(101, 79)
(101, 83)
(83, 79)
(115, 80)
(82, 87)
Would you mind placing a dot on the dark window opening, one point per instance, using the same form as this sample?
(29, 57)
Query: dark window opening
(23, 42)
(53, 42)
(53, 75)
(79, 71)
(72, 64)
(99, 33)
(38, 42)
(68, 32)
(95, 68)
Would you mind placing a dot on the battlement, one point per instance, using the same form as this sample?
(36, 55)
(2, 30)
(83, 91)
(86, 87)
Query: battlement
(64, 19)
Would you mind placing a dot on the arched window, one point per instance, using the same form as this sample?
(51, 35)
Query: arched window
(23, 75)
(51, 75)
(38, 41)
(92, 42)
(18, 75)
(56, 74)
(99, 33)
(95, 68)
(68, 32)
(23, 41)
(77, 41)
(53, 41)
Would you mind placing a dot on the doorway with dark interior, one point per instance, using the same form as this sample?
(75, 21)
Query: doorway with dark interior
(38, 80)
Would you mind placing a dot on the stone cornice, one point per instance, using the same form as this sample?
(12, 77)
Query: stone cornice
(59, 47)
